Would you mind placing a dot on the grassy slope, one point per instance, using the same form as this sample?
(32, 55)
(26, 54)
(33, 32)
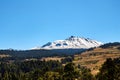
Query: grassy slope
(52, 58)
(4, 55)
(95, 58)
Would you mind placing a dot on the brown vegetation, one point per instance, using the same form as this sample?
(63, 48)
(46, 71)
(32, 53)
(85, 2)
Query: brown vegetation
(52, 58)
(95, 58)
(4, 55)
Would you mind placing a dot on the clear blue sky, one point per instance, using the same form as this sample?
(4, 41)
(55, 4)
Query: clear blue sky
(28, 23)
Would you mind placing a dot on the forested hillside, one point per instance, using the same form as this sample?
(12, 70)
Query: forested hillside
(54, 70)
(6, 55)
(101, 63)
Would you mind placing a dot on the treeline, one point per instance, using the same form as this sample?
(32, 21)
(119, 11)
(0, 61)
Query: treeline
(110, 45)
(107, 45)
(55, 70)
(27, 54)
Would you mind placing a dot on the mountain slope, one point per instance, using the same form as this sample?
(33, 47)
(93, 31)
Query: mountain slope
(72, 42)
(94, 58)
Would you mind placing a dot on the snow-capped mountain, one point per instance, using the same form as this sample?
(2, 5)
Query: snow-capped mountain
(72, 42)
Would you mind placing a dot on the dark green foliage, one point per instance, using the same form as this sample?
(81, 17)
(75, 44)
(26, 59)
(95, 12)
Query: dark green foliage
(90, 49)
(31, 70)
(70, 72)
(110, 70)
(18, 55)
(41, 70)
(51, 76)
(53, 70)
(110, 45)
(118, 48)
(26, 54)
(67, 59)
(69, 67)
(85, 74)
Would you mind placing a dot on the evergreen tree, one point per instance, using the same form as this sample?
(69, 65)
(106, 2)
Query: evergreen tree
(110, 70)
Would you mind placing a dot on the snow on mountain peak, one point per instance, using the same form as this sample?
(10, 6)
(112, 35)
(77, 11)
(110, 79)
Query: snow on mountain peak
(72, 42)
